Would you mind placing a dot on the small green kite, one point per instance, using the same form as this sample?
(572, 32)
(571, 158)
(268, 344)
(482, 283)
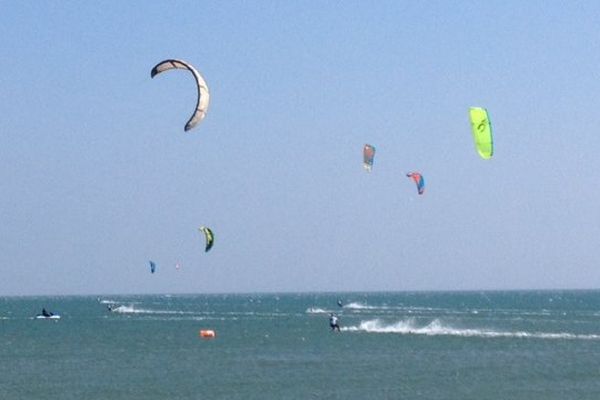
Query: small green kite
(210, 238)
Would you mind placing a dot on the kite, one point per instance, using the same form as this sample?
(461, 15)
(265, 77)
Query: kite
(210, 238)
(203, 95)
(368, 156)
(419, 181)
(482, 132)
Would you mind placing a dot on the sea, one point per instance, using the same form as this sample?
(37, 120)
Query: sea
(412, 345)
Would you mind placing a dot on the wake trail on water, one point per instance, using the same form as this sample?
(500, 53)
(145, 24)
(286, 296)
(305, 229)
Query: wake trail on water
(132, 310)
(317, 310)
(361, 306)
(194, 315)
(437, 328)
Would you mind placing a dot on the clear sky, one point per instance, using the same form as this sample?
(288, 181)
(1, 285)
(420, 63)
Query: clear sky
(97, 175)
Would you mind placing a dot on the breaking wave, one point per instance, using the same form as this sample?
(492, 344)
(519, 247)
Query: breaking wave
(437, 328)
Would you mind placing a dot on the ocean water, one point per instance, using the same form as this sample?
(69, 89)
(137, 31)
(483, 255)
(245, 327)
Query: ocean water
(444, 345)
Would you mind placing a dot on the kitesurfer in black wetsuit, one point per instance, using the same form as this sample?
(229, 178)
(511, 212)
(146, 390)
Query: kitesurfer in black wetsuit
(46, 313)
(333, 322)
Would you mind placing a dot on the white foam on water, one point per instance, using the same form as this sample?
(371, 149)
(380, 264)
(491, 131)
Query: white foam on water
(317, 310)
(437, 328)
(361, 306)
(132, 310)
(109, 301)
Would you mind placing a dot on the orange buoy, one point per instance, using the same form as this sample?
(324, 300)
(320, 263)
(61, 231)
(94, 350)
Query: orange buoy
(207, 334)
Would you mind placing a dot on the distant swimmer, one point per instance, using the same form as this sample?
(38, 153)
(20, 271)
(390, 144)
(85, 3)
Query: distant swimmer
(333, 322)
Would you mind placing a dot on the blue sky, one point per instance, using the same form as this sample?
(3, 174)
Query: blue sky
(98, 177)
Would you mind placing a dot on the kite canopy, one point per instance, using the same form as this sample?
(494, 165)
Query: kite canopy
(210, 238)
(203, 95)
(482, 132)
(419, 181)
(368, 156)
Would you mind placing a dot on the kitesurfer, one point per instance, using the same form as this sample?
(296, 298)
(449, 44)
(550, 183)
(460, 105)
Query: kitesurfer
(333, 322)
(339, 303)
(46, 313)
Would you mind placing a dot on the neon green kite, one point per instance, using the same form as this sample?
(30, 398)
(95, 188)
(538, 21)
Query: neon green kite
(482, 132)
